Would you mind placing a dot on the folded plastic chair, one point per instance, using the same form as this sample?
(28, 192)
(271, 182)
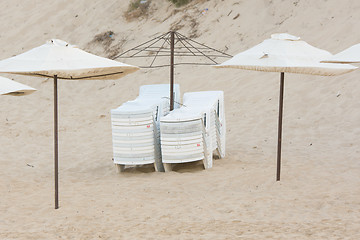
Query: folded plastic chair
(135, 127)
(195, 130)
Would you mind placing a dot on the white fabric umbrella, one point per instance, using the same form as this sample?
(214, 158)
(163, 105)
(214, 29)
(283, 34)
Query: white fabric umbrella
(10, 87)
(60, 60)
(285, 53)
(66, 61)
(349, 55)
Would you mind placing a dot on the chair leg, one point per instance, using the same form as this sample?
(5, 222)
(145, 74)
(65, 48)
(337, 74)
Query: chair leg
(159, 167)
(168, 167)
(208, 161)
(120, 168)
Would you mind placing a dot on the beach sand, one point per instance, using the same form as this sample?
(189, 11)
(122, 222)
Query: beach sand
(318, 196)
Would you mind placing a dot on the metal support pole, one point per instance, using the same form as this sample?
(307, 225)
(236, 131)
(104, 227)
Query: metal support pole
(172, 44)
(56, 143)
(281, 100)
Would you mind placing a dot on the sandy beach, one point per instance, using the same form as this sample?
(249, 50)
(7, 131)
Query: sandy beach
(318, 196)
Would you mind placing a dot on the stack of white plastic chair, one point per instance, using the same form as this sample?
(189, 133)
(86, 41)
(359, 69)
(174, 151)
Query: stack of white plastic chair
(135, 127)
(195, 130)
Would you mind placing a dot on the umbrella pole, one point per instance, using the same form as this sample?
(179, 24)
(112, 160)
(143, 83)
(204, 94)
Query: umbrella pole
(56, 143)
(281, 100)
(172, 44)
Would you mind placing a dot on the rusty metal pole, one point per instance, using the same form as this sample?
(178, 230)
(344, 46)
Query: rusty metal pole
(172, 46)
(281, 100)
(56, 143)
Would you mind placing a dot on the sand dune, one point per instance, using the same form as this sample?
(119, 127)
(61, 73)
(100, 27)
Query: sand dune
(318, 196)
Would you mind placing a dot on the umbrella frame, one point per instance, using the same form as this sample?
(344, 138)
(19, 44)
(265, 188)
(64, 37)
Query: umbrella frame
(56, 132)
(193, 49)
(281, 107)
(56, 144)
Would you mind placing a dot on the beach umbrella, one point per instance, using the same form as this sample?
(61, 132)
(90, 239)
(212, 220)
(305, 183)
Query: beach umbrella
(59, 60)
(10, 87)
(349, 55)
(285, 53)
(169, 46)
